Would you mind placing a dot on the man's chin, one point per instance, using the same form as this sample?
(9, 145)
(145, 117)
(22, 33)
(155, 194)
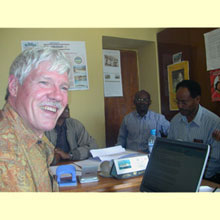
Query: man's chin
(142, 113)
(51, 127)
(183, 113)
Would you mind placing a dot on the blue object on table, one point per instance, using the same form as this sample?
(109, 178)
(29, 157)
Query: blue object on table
(66, 181)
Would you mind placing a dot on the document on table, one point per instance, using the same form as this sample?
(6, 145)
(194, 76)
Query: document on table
(206, 189)
(111, 153)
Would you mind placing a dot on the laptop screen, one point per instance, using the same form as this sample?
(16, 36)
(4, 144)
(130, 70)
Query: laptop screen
(175, 166)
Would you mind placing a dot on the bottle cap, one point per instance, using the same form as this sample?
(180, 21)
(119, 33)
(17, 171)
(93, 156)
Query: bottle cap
(153, 132)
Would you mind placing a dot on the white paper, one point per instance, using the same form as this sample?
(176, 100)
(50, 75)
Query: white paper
(212, 46)
(206, 189)
(76, 52)
(107, 151)
(112, 73)
(117, 156)
(112, 153)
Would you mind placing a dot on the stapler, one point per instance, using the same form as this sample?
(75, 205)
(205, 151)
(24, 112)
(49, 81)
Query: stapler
(89, 174)
(61, 171)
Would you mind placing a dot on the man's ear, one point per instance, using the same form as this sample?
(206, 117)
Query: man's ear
(197, 99)
(13, 85)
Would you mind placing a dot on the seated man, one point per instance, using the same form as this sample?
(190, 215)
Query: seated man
(195, 123)
(136, 126)
(36, 96)
(71, 139)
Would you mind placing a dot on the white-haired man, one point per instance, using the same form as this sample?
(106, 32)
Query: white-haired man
(36, 96)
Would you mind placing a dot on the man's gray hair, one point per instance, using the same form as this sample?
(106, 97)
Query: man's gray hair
(30, 58)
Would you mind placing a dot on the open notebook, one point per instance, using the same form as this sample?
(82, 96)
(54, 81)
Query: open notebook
(175, 166)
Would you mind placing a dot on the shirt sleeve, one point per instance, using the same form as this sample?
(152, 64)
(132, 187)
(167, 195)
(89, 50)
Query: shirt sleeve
(13, 178)
(171, 134)
(215, 150)
(164, 126)
(85, 142)
(122, 135)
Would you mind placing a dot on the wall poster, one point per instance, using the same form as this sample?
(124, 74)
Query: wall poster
(176, 73)
(215, 85)
(76, 52)
(112, 73)
(212, 45)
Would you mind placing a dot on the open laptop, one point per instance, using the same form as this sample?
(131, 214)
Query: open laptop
(175, 166)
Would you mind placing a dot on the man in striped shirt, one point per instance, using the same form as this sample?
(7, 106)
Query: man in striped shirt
(195, 123)
(136, 126)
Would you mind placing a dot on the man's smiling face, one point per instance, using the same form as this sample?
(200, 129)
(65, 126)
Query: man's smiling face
(41, 98)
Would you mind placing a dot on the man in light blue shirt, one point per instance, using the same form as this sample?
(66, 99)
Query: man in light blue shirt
(195, 123)
(136, 126)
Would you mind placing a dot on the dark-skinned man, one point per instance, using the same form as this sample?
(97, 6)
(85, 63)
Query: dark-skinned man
(194, 123)
(136, 126)
(70, 138)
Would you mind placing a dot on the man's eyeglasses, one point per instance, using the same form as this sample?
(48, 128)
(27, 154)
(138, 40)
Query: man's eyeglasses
(184, 102)
(144, 100)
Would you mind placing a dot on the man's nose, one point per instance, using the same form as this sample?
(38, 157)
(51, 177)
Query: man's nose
(55, 93)
(180, 105)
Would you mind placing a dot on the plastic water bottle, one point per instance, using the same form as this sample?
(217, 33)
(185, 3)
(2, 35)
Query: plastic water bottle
(151, 140)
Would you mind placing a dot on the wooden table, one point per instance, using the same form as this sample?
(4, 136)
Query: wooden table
(107, 185)
(116, 185)
(209, 183)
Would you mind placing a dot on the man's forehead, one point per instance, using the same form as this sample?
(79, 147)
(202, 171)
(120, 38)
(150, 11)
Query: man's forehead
(143, 95)
(183, 92)
(43, 65)
(43, 70)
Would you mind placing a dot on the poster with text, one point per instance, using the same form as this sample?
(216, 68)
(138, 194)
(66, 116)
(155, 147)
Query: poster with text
(76, 52)
(215, 85)
(112, 73)
(212, 45)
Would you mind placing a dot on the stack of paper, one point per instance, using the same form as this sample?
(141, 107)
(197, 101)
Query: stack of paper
(110, 153)
(208, 189)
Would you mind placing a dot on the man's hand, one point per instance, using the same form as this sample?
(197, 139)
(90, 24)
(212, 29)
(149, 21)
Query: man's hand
(56, 159)
(62, 154)
(216, 135)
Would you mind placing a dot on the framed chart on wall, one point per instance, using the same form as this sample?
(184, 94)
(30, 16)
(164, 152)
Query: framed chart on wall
(176, 73)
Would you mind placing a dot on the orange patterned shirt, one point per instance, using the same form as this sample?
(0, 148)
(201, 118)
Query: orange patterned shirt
(24, 157)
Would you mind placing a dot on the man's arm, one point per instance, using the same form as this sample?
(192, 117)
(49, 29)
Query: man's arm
(171, 133)
(13, 177)
(216, 135)
(164, 126)
(58, 155)
(85, 142)
(122, 135)
(79, 140)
